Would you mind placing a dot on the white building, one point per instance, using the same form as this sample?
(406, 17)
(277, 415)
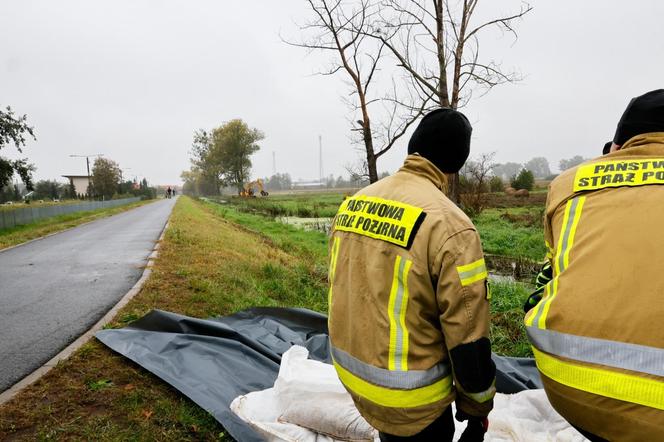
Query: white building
(80, 183)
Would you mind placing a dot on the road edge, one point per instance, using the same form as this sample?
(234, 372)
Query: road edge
(33, 377)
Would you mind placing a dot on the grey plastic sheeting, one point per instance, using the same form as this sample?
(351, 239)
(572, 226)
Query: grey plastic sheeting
(212, 361)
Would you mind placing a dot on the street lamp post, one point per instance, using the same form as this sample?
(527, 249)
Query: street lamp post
(87, 162)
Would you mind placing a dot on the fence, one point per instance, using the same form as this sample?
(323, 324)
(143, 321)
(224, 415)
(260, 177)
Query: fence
(27, 215)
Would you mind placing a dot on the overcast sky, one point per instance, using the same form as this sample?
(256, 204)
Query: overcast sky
(134, 79)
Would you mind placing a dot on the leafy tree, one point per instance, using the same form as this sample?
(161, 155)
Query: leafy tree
(506, 171)
(14, 129)
(223, 155)
(206, 174)
(233, 144)
(105, 177)
(539, 166)
(196, 182)
(525, 180)
(565, 164)
(47, 189)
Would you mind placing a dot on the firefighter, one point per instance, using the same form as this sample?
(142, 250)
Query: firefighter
(596, 333)
(408, 298)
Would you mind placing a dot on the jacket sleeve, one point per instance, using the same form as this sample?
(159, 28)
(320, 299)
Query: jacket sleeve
(463, 299)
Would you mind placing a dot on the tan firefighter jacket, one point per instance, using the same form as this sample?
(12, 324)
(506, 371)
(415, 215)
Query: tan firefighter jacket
(407, 285)
(598, 332)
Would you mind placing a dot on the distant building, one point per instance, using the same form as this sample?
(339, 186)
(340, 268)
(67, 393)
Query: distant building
(80, 183)
(308, 185)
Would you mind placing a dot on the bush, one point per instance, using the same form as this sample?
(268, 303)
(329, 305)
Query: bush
(496, 184)
(525, 180)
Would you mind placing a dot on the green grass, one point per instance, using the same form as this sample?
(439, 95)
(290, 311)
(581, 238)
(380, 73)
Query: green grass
(309, 244)
(514, 232)
(319, 205)
(508, 333)
(20, 234)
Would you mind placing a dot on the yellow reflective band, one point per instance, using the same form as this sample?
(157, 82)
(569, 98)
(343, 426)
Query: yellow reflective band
(473, 272)
(532, 314)
(378, 218)
(617, 173)
(333, 269)
(388, 397)
(615, 385)
(572, 233)
(563, 231)
(396, 312)
(574, 209)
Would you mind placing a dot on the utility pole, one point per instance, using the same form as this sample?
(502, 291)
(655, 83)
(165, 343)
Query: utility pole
(320, 159)
(87, 162)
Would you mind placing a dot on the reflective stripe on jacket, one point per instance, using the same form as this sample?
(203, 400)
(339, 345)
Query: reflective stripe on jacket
(408, 284)
(597, 332)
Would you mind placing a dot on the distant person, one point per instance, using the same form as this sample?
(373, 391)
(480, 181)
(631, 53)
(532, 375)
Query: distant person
(168, 192)
(597, 332)
(408, 298)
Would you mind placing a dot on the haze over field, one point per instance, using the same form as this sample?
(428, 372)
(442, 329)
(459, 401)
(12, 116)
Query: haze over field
(134, 79)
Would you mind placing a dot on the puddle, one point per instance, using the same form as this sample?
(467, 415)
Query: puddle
(315, 224)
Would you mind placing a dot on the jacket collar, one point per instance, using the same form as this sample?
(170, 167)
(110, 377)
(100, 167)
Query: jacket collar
(418, 165)
(643, 139)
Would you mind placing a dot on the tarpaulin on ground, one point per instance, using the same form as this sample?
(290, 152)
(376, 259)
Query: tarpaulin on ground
(212, 361)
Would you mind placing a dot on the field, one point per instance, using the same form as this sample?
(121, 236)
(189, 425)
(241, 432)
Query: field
(217, 258)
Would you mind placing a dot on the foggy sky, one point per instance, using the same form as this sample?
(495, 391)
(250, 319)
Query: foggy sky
(134, 79)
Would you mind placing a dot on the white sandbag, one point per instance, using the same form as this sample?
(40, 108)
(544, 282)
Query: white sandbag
(309, 393)
(329, 409)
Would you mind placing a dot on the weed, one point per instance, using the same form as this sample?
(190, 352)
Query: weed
(99, 384)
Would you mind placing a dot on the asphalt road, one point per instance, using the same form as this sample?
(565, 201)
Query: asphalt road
(54, 289)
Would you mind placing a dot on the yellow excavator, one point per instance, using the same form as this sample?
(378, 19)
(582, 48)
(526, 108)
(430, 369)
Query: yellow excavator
(250, 189)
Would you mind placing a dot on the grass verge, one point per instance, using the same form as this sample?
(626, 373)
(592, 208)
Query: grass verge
(20, 234)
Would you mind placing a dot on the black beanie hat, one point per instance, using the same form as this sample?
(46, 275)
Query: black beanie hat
(644, 114)
(607, 147)
(443, 137)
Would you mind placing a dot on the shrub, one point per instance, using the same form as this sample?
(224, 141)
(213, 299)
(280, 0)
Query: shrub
(525, 180)
(496, 184)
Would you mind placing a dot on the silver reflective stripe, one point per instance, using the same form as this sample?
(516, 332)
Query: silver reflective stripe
(483, 396)
(473, 272)
(397, 380)
(398, 305)
(615, 354)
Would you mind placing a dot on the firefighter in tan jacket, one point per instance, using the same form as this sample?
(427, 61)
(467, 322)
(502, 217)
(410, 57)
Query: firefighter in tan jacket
(408, 298)
(597, 333)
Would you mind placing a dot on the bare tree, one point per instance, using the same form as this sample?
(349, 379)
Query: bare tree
(342, 27)
(477, 173)
(437, 43)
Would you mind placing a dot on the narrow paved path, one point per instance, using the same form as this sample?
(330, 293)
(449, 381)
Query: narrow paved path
(54, 289)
